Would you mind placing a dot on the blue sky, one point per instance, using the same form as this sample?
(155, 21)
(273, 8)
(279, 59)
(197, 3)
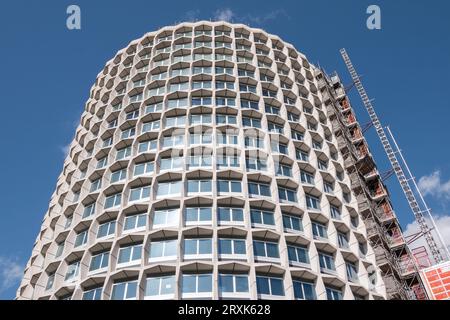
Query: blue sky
(47, 72)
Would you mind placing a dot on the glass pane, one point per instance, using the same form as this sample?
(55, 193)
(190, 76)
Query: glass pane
(204, 283)
(152, 287)
(277, 287)
(168, 285)
(262, 285)
(241, 283)
(226, 283)
(225, 246)
(189, 283)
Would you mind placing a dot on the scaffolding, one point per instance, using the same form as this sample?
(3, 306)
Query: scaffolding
(397, 264)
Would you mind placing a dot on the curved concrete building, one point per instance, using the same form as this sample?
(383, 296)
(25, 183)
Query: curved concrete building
(207, 166)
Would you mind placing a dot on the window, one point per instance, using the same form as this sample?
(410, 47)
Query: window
(254, 142)
(173, 141)
(73, 270)
(347, 197)
(118, 175)
(319, 230)
(99, 261)
(304, 290)
(248, 104)
(251, 122)
(106, 143)
(221, 70)
(292, 224)
(229, 248)
(155, 107)
(201, 101)
(351, 271)
(101, 163)
(172, 188)
(301, 155)
(136, 221)
(130, 254)
(322, 165)
(224, 85)
(312, 202)
(228, 215)
(317, 145)
(124, 290)
(180, 72)
(262, 218)
(177, 103)
(158, 91)
(175, 121)
(106, 229)
(197, 248)
(343, 240)
(272, 109)
(226, 186)
(200, 119)
(283, 170)
(226, 138)
(203, 160)
(264, 250)
(200, 70)
(171, 163)
(160, 287)
(163, 250)
(165, 218)
(335, 212)
(227, 161)
(200, 138)
(93, 294)
(256, 164)
(246, 73)
(123, 153)
(198, 215)
(279, 147)
(328, 187)
(196, 285)
(293, 117)
(287, 194)
(201, 85)
(113, 200)
(199, 186)
(143, 168)
(223, 101)
(139, 193)
(259, 189)
(88, 210)
(147, 146)
(273, 127)
(129, 133)
(269, 286)
(50, 281)
(306, 177)
(232, 284)
(298, 255)
(296, 135)
(59, 249)
(96, 184)
(151, 126)
(333, 294)
(326, 262)
(134, 114)
(225, 119)
(81, 238)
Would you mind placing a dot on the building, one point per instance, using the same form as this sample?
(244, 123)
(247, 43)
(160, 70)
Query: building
(212, 161)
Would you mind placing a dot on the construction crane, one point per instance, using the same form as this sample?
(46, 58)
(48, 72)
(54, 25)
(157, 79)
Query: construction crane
(401, 170)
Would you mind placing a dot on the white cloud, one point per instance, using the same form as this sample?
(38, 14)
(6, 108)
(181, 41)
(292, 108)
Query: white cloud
(260, 19)
(11, 273)
(65, 150)
(192, 15)
(434, 186)
(443, 224)
(224, 15)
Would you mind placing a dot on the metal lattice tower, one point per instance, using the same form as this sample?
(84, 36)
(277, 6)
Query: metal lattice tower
(405, 182)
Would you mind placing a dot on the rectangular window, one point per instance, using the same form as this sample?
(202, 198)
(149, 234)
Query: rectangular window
(198, 215)
(319, 230)
(292, 224)
(147, 146)
(106, 229)
(335, 212)
(172, 141)
(256, 164)
(231, 285)
(298, 255)
(248, 104)
(333, 294)
(199, 186)
(228, 215)
(197, 161)
(259, 189)
(286, 194)
(283, 170)
(151, 126)
(266, 251)
(304, 290)
(225, 119)
(326, 262)
(228, 186)
(143, 168)
(172, 189)
(88, 210)
(165, 218)
(301, 155)
(262, 218)
(200, 138)
(123, 153)
(135, 222)
(232, 248)
(254, 142)
(179, 121)
(296, 135)
(95, 185)
(73, 270)
(306, 177)
(312, 202)
(171, 163)
(279, 147)
(160, 287)
(113, 201)
(93, 294)
(251, 122)
(130, 255)
(201, 85)
(275, 128)
(99, 261)
(196, 285)
(101, 163)
(352, 272)
(197, 248)
(129, 133)
(139, 194)
(81, 238)
(163, 250)
(118, 175)
(155, 107)
(223, 102)
(200, 119)
(50, 281)
(269, 286)
(124, 290)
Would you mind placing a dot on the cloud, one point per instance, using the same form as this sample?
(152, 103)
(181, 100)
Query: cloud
(11, 272)
(65, 149)
(434, 186)
(443, 224)
(192, 15)
(260, 19)
(225, 14)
